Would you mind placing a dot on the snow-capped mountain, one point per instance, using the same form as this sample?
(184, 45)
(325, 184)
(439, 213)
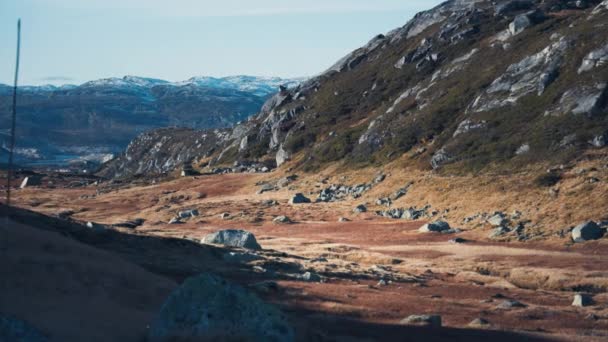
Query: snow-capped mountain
(104, 115)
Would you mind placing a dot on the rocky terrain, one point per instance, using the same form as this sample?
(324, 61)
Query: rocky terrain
(336, 269)
(469, 86)
(92, 121)
(446, 182)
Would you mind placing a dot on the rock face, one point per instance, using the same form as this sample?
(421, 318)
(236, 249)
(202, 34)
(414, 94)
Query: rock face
(282, 156)
(207, 307)
(13, 329)
(233, 238)
(532, 74)
(435, 227)
(587, 231)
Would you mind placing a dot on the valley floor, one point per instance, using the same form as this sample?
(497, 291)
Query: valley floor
(421, 273)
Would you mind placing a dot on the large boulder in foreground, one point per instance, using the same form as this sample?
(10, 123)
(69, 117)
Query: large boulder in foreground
(587, 231)
(233, 238)
(13, 329)
(209, 308)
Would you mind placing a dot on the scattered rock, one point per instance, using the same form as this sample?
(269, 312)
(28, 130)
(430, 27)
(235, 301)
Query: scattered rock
(587, 231)
(440, 158)
(343, 219)
(433, 321)
(31, 181)
(266, 188)
(360, 209)
(175, 220)
(96, 227)
(299, 198)
(233, 238)
(224, 216)
(310, 277)
(457, 240)
(582, 300)
(207, 307)
(498, 220)
(479, 323)
(498, 232)
(282, 220)
(188, 213)
(437, 226)
(510, 304)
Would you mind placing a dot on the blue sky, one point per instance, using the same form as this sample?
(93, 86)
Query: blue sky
(72, 41)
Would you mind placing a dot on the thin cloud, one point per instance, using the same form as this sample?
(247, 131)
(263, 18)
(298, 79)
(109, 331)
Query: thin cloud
(56, 79)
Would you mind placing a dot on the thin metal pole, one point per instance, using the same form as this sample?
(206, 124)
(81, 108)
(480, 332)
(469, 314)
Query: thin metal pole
(12, 145)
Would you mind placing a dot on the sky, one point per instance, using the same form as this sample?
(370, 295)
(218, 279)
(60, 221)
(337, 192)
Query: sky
(73, 41)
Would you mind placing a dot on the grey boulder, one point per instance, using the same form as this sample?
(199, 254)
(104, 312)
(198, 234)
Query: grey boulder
(587, 231)
(299, 199)
(433, 321)
(435, 227)
(233, 238)
(207, 307)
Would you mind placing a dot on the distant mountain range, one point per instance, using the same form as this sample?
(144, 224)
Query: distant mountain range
(87, 122)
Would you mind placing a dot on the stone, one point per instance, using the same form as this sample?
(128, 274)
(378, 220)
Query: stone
(299, 198)
(523, 149)
(233, 238)
(435, 227)
(224, 216)
(360, 209)
(14, 329)
(468, 125)
(457, 240)
(600, 140)
(282, 156)
(594, 59)
(587, 231)
(498, 232)
(175, 220)
(282, 220)
(510, 304)
(343, 219)
(440, 158)
(498, 220)
(31, 181)
(185, 214)
(310, 277)
(519, 24)
(96, 227)
(207, 307)
(479, 323)
(582, 300)
(433, 321)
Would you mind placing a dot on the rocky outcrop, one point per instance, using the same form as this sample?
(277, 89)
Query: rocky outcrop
(233, 238)
(583, 100)
(207, 307)
(594, 59)
(532, 74)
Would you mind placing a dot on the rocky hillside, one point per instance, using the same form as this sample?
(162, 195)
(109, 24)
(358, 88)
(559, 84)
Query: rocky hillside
(468, 86)
(103, 116)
